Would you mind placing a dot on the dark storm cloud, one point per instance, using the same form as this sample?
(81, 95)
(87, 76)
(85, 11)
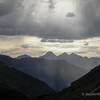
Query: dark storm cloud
(4, 9)
(70, 15)
(90, 11)
(21, 21)
(8, 6)
(51, 4)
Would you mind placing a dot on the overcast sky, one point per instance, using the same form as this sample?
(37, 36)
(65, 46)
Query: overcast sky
(37, 26)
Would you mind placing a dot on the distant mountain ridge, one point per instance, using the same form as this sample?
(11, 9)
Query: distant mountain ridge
(77, 60)
(49, 55)
(6, 59)
(57, 71)
(23, 56)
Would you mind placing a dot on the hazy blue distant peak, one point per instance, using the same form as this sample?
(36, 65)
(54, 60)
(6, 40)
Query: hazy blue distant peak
(23, 56)
(50, 53)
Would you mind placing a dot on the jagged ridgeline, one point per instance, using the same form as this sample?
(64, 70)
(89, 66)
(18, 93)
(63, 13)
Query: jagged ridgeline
(57, 73)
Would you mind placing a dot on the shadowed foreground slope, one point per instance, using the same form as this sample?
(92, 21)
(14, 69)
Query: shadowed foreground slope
(25, 84)
(12, 94)
(90, 83)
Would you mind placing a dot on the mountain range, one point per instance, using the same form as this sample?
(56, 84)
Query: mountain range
(77, 60)
(28, 77)
(57, 71)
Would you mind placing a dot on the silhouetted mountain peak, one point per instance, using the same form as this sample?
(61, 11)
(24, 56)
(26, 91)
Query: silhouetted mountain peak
(5, 59)
(23, 56)
(4, 56)
(73, 54)
(64, 54)
(49, 55)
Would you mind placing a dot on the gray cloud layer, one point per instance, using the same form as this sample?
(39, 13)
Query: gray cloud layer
(70, 14)
(8, 6)
(51, 4)
(17, 18)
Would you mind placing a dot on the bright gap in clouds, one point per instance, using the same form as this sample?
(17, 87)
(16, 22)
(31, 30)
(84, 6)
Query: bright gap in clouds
(40, 10)
(18, 45)
(66, 6)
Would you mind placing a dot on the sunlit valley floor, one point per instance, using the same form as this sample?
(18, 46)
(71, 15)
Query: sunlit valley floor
(50, 77)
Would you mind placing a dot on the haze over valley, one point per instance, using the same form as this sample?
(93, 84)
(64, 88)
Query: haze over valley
(50, 49)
